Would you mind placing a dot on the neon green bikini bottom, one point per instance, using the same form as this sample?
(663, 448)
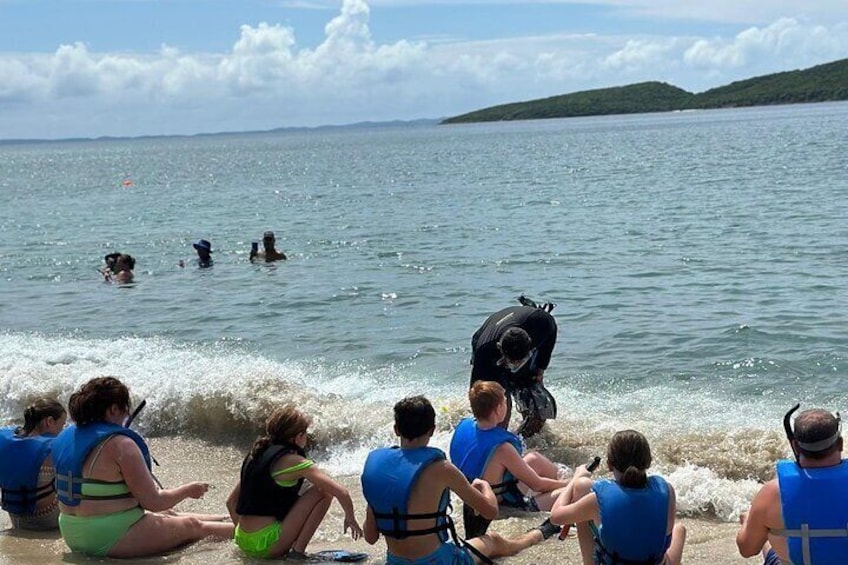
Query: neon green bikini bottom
(95, 535)
(258, 544)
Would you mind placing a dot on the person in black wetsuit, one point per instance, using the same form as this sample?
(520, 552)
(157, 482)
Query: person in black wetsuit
(513, 347)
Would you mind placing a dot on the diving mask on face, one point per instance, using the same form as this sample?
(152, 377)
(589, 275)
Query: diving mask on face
(515, 366)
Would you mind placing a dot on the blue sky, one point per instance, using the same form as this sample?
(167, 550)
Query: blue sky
(136, 67)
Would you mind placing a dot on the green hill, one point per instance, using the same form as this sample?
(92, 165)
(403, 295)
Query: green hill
(816, 84)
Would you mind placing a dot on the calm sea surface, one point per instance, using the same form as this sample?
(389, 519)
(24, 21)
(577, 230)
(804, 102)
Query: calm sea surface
(699, 261)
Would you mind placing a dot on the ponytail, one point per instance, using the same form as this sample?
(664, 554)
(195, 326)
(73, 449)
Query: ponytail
(259, 446)
(634, 477)
(39, 410)
(629, 453)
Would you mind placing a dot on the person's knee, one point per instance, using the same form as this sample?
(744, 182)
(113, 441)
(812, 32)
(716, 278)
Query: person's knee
(582, 487)
(192, 528)
(534, 458)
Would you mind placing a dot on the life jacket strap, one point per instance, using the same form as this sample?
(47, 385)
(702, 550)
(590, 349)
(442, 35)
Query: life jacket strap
(613, 558)
(65, 488)
(22, 497)
(806, 533)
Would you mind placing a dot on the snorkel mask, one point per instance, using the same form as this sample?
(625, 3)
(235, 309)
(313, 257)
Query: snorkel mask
(814, 446)
(515, 366)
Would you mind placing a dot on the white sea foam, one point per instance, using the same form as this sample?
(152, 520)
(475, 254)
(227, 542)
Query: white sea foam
(224, 392)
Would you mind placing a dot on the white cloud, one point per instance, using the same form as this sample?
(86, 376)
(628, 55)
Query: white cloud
(265, 80)
(786, 40)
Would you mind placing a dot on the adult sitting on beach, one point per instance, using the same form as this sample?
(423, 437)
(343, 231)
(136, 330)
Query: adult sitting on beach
(629, 519)
(270, 253)
(26, 467)
(803, 511)
(274, 517)
(408, 491)
(107, 494)
(483, 450)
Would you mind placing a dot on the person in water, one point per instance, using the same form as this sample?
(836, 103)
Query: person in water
(108, 497)
(627, 519)
(408, 492)
(513, 347)
(274, 515)
(26, 467)
(119, 267)
(270, 253)
(800, 516)
(204, 253)
(481, 449)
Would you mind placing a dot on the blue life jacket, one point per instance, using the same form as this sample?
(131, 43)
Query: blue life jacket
(21, 458)
(471, 449)
(387, 481)
(70, 449)
(634, 522)
(814, 503)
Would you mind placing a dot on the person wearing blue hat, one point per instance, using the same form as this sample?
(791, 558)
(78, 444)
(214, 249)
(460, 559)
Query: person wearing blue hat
(204, 253)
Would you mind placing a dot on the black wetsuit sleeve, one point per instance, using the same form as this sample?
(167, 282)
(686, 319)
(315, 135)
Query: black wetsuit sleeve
(543, 331)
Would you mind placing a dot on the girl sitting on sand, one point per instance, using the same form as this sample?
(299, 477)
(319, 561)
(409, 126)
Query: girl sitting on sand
(627, 519)
(26, 467)
(108, 497)
(274, 515)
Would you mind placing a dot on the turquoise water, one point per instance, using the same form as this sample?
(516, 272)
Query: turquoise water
(698, 261)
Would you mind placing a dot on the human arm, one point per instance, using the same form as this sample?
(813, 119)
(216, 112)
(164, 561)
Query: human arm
(326, 484)
(577, 502)
(371, 533)
(542, 329)
(477, 494)
(755, 523)
(232, 503)
(672, 509)
(508, 456)
(139, 479)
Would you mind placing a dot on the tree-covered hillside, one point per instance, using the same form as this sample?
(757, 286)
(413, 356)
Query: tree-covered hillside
(816, 84)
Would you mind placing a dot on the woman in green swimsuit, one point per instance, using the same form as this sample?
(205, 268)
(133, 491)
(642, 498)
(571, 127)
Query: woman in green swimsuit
(109, 500)
(273, 512)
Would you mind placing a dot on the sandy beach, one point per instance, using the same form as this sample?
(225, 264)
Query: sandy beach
(184, 460)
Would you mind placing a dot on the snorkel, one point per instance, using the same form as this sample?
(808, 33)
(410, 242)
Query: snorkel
(135, 413)
(809, 446)
(787, 426)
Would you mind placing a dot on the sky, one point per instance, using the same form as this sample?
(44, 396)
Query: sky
(91, 68)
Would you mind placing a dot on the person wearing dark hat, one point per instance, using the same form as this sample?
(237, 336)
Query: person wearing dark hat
(204, 252)
(803, 511)
(270, 254)
(513, 347)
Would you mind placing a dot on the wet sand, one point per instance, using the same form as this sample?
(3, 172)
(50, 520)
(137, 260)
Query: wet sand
(184, 460)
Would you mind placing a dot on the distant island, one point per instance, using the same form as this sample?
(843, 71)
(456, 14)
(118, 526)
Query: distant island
(822, 83)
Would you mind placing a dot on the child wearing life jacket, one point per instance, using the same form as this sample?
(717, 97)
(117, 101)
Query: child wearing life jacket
(26, 467)
(274, 514)
(626, 519)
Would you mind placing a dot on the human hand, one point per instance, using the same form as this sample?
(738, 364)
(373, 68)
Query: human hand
(743, 518)
(540, 375)
(480, 485)
(353, 525)
(196, 490)
(581, 471)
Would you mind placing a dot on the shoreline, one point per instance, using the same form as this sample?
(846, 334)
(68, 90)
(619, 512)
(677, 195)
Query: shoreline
(185, 459)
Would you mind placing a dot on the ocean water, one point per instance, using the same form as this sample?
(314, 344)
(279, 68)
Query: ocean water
(698, 262)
